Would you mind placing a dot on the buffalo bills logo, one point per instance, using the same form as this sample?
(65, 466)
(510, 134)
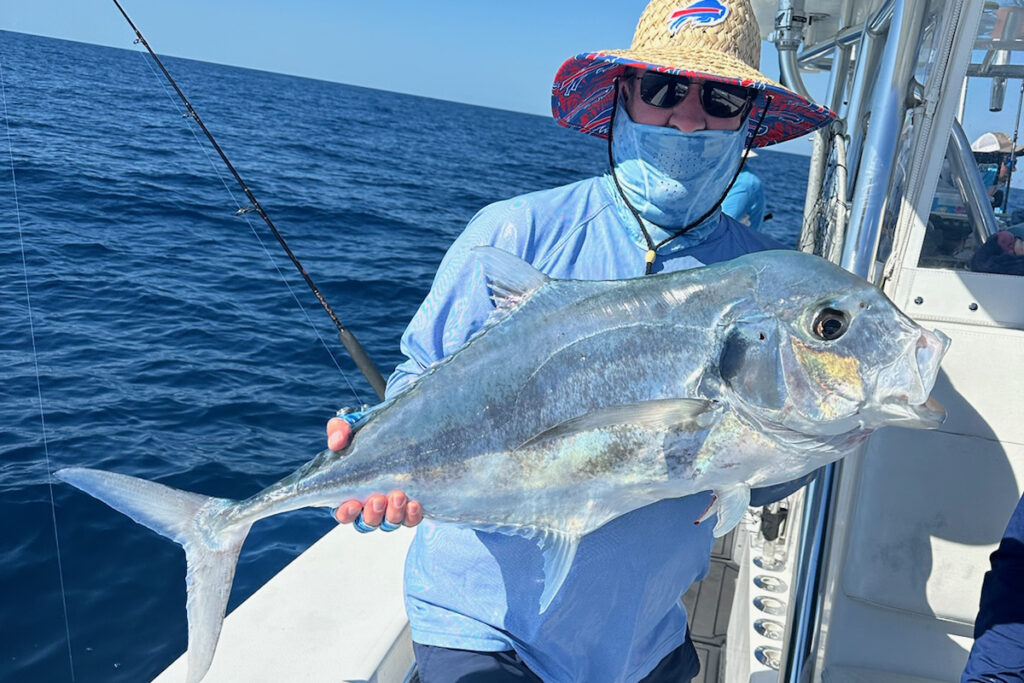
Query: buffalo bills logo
(702, 12)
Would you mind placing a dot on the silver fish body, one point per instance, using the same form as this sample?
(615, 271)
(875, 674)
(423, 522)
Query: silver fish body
(581, 401)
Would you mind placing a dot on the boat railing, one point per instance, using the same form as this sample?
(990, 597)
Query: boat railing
(789, 30)
(851, 105)
(965, 176)
(818, 56)
(881, 90)
(888, 107)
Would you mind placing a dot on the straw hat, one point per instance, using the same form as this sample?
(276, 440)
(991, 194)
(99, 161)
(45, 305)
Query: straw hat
(714, 40)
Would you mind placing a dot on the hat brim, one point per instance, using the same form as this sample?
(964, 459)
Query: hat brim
(584, 91)
(994, 157)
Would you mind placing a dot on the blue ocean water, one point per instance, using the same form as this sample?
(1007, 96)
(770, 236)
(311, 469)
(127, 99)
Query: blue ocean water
(168, 340)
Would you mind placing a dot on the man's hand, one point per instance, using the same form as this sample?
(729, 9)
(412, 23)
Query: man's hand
(395, 509)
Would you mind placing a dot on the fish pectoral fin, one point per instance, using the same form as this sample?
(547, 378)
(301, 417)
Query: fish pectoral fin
(687, 414)
(558, 549)
(511, 278)
(730, 504)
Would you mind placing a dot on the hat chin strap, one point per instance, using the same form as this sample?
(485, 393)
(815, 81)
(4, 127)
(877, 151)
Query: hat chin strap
(652, 248)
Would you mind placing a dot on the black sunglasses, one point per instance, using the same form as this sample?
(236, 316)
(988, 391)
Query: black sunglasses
(721, 100)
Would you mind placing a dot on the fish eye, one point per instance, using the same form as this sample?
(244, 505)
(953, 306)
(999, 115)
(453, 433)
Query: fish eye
(830, 324)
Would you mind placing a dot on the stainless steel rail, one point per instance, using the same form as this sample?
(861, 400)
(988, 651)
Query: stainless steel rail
(789, 33)
(965, 176)
(875, 25)
(996, 70)
(810, 56)
(888, 85)
(888, 106)
(804, 613)
(869, 52)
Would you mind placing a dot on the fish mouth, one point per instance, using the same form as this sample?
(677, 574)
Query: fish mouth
(927, 415)
(931, 414)
(908, 410)
(931, 349)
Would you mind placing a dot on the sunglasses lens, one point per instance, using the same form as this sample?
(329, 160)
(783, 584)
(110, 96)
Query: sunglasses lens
(724, 100)
(721, 100)
(663, 90)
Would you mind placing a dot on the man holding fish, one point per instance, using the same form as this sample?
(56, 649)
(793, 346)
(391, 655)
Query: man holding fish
(565, 434)
(680, 109)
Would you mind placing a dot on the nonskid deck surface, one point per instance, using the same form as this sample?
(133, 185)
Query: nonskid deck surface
(708, 604)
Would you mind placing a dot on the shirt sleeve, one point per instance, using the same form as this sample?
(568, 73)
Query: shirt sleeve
(998, 652)
(770, 494)
(458, 303)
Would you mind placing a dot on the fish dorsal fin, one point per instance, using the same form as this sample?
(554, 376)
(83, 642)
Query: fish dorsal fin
(688, 414)
(511, 278)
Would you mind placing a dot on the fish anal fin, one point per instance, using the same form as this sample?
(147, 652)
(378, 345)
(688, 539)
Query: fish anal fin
(730, 504)
(558, 550)
(687, 414)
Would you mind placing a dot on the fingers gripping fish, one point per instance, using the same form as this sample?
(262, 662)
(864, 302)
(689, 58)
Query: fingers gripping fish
(600, 398)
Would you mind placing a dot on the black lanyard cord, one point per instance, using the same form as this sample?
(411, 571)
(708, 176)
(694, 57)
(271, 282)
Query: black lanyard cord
(652, 248)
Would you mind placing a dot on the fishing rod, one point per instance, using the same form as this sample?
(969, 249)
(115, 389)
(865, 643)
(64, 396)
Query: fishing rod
(1013, 151)
(348, 340)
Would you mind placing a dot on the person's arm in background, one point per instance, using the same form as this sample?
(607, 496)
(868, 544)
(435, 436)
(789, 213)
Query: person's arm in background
(745, 200)
(757, 210)
(998, 652)
(737, 202)
(770, 494)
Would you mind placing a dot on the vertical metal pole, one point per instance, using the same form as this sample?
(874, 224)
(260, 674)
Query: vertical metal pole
(964, 172)
(804, 609)
(790, 21)
(888, 107)
(1013, 150)
(822, 151)
(866, 65)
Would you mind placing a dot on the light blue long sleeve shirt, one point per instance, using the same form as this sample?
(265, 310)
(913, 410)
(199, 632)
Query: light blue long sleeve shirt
(618, 613)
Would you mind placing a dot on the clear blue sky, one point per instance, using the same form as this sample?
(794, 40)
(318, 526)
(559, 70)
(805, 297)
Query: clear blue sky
(500, 55)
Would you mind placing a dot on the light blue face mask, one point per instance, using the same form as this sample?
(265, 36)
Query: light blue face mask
(673, 178)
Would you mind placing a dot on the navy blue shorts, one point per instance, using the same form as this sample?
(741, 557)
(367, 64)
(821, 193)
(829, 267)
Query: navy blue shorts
(445, 665)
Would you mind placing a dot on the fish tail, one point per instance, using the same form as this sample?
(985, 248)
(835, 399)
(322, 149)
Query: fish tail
(211, 541)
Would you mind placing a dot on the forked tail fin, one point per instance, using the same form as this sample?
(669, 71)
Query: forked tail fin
(195, 521)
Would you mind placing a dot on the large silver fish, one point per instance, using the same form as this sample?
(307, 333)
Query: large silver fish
(581, 401)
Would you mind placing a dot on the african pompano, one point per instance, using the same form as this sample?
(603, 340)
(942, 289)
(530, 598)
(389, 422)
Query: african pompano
(582, 400)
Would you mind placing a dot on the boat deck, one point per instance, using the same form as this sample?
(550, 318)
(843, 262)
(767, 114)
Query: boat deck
(708, 604)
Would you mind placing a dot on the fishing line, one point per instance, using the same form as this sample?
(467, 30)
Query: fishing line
(352, 345)
(242, 213)
(39, 385)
